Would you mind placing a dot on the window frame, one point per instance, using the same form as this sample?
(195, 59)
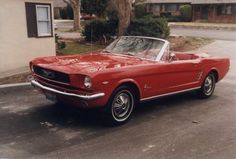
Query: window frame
(222, 9)
(169, 9)
(49, 20)
(154, 6)
(32, 21)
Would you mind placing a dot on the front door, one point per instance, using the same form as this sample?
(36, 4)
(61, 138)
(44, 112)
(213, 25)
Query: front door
(169, 76)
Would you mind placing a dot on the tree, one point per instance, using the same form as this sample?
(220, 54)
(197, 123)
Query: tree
(97, 7)
(124, 11)
(75, 4)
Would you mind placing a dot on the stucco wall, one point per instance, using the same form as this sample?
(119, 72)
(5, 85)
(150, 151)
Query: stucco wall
(16, 49)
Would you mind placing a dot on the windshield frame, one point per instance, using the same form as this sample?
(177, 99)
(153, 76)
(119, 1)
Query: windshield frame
(164, 48)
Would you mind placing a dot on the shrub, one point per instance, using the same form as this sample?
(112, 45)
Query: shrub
(140, 10)
(174, 18)
(99, 29)
(154, 27)
(67, 12)
(150, 15)
(59, 43)
(63, 14)
(186, 12)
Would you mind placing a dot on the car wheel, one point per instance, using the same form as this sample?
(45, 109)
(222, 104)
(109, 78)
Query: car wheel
(208, 86)
(120, 106)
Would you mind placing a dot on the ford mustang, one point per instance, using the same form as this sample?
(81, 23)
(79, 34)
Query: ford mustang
(131, 69)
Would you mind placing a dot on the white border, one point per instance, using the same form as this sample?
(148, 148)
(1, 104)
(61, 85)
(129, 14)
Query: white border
(171, 93)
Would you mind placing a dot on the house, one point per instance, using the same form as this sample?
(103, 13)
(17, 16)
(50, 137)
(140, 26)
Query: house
(165, 7)
(26, 32)
(57, 6)
(214, 10)
(218, 11)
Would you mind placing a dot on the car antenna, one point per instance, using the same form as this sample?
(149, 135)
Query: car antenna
(91, 43)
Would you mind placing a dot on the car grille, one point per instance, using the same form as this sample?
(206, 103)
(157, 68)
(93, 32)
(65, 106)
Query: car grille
(52, 75)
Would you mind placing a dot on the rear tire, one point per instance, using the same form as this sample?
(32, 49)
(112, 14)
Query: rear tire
(208, 86)
(120, 106)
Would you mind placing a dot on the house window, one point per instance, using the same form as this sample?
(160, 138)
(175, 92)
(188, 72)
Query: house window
(226, 9)
(156, 8)
(233, 9)
(39, 20)
(171, 7)
(43, 20)
(197, 8)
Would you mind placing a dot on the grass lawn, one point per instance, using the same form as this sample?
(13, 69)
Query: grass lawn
(186, 44)
(77, 48)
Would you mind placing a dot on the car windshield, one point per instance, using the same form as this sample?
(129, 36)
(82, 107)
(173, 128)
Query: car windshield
(140, 47)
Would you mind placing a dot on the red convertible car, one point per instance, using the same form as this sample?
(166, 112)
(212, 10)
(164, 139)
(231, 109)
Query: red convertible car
(131, 69)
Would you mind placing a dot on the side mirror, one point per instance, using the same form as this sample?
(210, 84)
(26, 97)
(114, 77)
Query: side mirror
(172, 57)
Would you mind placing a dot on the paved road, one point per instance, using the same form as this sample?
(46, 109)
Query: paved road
(207, 33)
(181, 126)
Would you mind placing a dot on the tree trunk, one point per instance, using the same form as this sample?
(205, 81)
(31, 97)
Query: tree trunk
(124, 9)
(75, 4)
(76, 11)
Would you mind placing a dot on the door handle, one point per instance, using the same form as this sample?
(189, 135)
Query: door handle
(195, 64)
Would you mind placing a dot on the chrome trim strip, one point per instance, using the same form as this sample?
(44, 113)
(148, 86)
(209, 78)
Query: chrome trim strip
(84, 97)
(171, 93)
(162, 51)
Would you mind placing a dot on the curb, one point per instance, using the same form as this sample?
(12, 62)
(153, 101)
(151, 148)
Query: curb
(202, 27)
(13, 87)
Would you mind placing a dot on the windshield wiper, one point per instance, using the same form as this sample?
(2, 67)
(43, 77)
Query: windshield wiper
(130, 53)
(106, 51)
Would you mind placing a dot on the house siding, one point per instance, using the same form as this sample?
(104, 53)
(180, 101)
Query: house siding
(212, 15)
(203, 10)
(16, 48)
(163, 8)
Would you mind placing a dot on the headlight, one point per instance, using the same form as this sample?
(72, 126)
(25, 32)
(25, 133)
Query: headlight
(87, 82)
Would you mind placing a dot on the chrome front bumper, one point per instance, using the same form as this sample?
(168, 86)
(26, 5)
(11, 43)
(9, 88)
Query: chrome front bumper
(83, 97)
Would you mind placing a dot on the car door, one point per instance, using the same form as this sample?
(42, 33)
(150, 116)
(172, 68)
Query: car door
(178, 75)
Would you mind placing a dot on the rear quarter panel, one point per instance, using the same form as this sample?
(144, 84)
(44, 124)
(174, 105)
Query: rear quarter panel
(221, 65)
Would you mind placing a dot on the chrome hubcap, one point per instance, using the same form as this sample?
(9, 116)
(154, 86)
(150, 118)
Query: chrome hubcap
(122, 105)
(208, 85)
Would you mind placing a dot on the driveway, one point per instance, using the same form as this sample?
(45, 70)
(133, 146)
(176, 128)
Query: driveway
(180, 126)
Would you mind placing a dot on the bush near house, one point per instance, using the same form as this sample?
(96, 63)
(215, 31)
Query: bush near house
(174, 18)
(140, 11)
(67, 12)
(148, 26)
(186, 12)
(167, 16)
(100, 30)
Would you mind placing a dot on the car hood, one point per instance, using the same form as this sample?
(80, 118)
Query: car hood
(88, 63)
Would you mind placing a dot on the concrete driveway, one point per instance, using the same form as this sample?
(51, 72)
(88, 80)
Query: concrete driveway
(180, 126)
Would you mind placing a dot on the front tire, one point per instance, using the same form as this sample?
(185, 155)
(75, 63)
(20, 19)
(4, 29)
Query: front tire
(208, 86)
(120, 106)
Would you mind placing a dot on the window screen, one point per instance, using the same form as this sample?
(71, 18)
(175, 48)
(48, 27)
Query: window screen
(43, 20)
